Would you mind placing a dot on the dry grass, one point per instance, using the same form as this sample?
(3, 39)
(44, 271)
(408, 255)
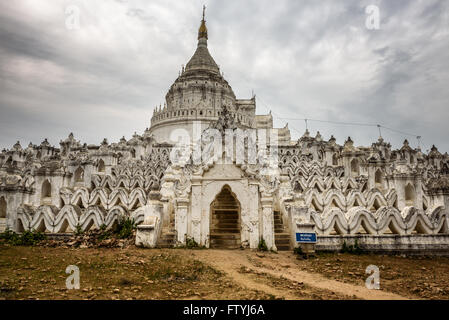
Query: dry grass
(413, 277)
(39, 273)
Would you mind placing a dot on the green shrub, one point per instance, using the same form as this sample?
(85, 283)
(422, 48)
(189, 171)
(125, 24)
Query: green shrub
(357, 249)
(262, 245)
(124, 228)
(8, 235)
(78, 231)
(352, 249)
(27, 238)
(344, 248)
(105, 234)
(191, 243)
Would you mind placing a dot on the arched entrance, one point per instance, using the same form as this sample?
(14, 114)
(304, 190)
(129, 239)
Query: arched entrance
(225, 221)
(3, 213)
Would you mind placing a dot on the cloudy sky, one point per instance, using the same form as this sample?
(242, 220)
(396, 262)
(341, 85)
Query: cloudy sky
(303, 59)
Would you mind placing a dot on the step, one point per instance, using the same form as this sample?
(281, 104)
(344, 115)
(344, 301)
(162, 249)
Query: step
(168, 233)
(233, 223)
(225, 244)
(225, 204)
(225, 217)
(282, 241)
(233, 226)
(225, 241)
(282, 236)
(283, 248)
(225, 247)
(224, 230)
(224, 214)
(220, 236)
(165, 243)
(226, 210)
(166, 239)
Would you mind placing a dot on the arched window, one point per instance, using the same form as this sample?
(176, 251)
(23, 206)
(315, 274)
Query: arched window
(335, 160)
(378, 178)
(3, 208)
(79, 175)
(101, 166)
(46, 190)
(410, 195)
(355, 170)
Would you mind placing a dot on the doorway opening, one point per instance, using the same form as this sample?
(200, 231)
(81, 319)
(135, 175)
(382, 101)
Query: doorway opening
(225, 221)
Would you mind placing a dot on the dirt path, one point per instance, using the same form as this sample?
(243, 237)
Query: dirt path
(249, 269)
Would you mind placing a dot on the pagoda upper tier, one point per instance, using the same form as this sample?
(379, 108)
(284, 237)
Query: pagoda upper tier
(200, 84)
(201, 92)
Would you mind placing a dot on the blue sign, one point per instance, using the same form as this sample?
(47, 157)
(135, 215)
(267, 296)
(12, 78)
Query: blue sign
(306, 237)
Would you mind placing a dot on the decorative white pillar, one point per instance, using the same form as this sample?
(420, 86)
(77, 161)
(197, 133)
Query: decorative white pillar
(268, 222)
(419, 194)
(196, 212)
(182, 206)
(399, 184)
(254, 235)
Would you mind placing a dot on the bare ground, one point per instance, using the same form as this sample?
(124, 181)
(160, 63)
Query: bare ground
(39, 273)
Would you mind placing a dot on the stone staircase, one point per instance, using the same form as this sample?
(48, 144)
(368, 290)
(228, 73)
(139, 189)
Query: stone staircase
(168, 235)
(281, 235)
(2, 225)
(167, 239)
(225, 226)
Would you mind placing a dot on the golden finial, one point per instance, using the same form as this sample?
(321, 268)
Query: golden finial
(202, 33)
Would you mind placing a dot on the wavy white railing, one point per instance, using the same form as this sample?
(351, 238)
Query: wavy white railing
(385, 221)
(70, 217)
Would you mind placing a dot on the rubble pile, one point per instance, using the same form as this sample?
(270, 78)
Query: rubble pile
(91, 239)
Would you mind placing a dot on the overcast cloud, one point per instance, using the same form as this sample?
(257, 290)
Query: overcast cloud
(303, 59)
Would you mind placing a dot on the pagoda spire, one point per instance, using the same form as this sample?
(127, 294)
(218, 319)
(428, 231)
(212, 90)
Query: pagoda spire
(201, 59)
(202, 32)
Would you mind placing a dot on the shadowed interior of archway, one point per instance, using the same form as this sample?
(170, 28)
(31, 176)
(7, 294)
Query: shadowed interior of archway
(225, 221)
(3, 213)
